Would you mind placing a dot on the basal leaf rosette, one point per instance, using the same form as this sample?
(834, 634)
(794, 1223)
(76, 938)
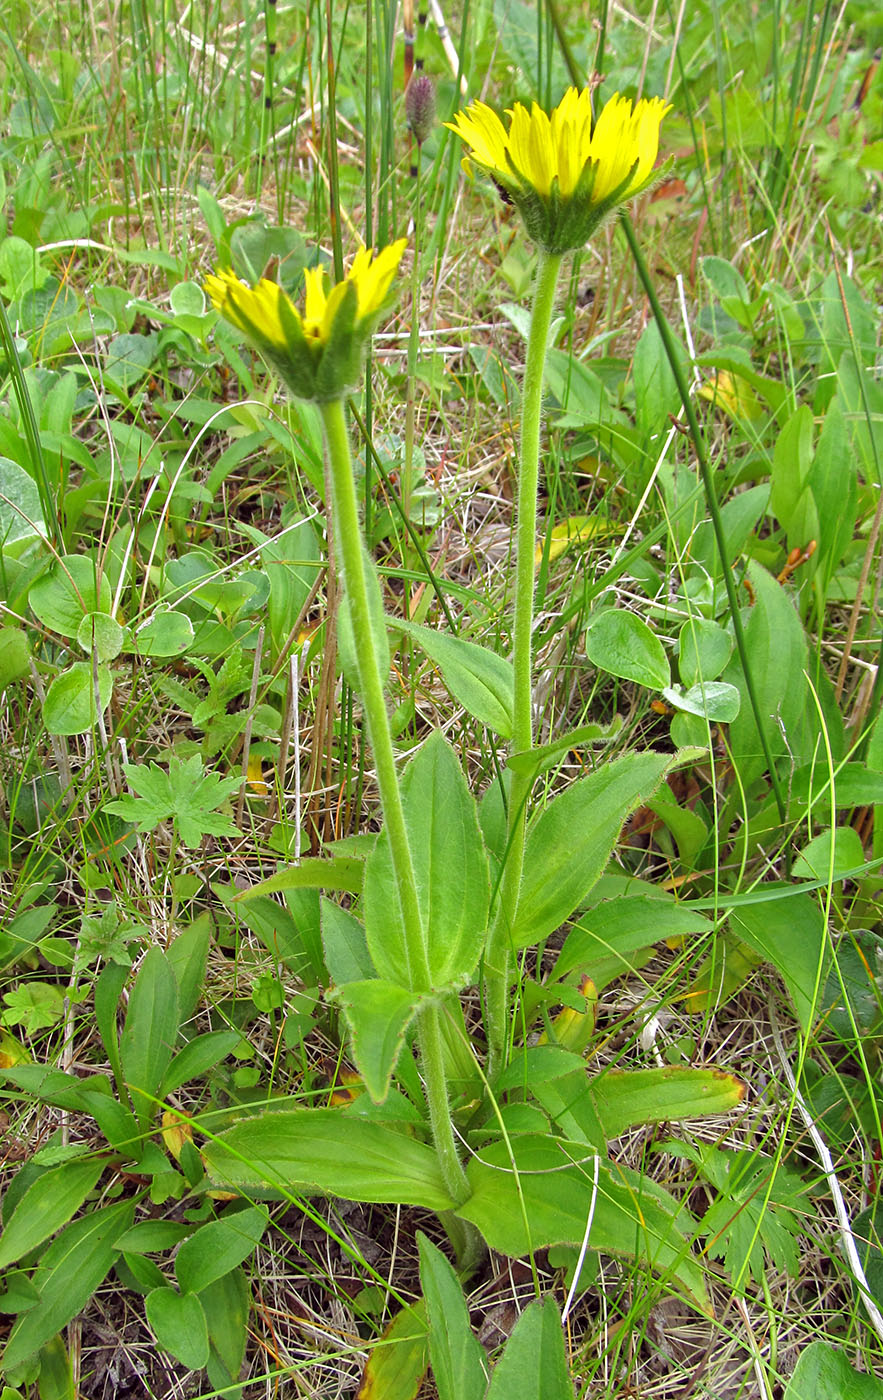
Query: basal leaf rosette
(318, 353)
(562, 171)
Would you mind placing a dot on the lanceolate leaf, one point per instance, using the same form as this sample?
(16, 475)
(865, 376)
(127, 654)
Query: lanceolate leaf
(571, 842)
(458, 1361)
(68, 1274)
(148, 1037)
(790, 934)
(623, 1099)
(534, 1364)
(398, 1362)
(378, 1014)
(776, 648)
(480, 679)
(546, 1198)
(325, 1149)
(451, 869)
(48, 1203)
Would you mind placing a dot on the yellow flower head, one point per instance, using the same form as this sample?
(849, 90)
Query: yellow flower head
(562, 171)
(317, 353)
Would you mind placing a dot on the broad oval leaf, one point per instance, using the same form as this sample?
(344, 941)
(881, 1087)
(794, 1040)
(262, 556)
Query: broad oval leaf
(219, 1246)
(325, 1149)
(166, 634)
(622, 644)
(451, 871)
(21, 514)
(63, 596)
(178, 1322)
(546, 1196)
(571, 841)
(480, 679)
(715, 700)
(102, 634)
(70, 705)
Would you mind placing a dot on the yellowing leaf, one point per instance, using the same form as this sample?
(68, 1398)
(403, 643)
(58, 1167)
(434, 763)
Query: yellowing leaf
(576, 530)
(255, 776)
(734, 395)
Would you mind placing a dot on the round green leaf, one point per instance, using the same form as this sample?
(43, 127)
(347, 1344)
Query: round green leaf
(69, 707)
(166, 634)
(620, 643)
(715, 700)
(64, 595)
(703, 650)
(14, 653)
(101, 633)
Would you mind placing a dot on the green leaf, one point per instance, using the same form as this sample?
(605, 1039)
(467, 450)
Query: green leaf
(186, 792)
(777, 654)
(100, 633)
(291, 562)
(346, 949)
(704, 649)
(325, 1149)
(198, 1056)
(656, 390)
(451, 870)
(188, 958)
(344, 873)
(571, 841)
(178, 1322)
(64, 595)
(56, 1380)
(14, 656)
(378, 1014)
(546, 1200)
(815, 860)
(480, 679)
(457, 1356)
(717, 701)
(626, 1098)
(823, 1373)
(69, 707)
(216, 1248)
(74, 1265)
(129, 358)
(150, 1032)
(534, 1363)
(790, 934)
(165, 634)
(47, 1204)
(225, 1304)
(21, 514)
(622, 644)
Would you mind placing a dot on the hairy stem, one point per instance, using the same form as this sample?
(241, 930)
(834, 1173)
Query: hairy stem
(496, 967)
(353, 562)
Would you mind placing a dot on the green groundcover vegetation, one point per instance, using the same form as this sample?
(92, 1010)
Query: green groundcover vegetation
(441, 742)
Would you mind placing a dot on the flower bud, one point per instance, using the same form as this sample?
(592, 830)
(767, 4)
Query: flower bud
(420, 106)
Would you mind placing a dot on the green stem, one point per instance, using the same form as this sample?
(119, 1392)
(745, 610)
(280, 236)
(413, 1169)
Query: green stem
(352, 561)
(496, 969)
